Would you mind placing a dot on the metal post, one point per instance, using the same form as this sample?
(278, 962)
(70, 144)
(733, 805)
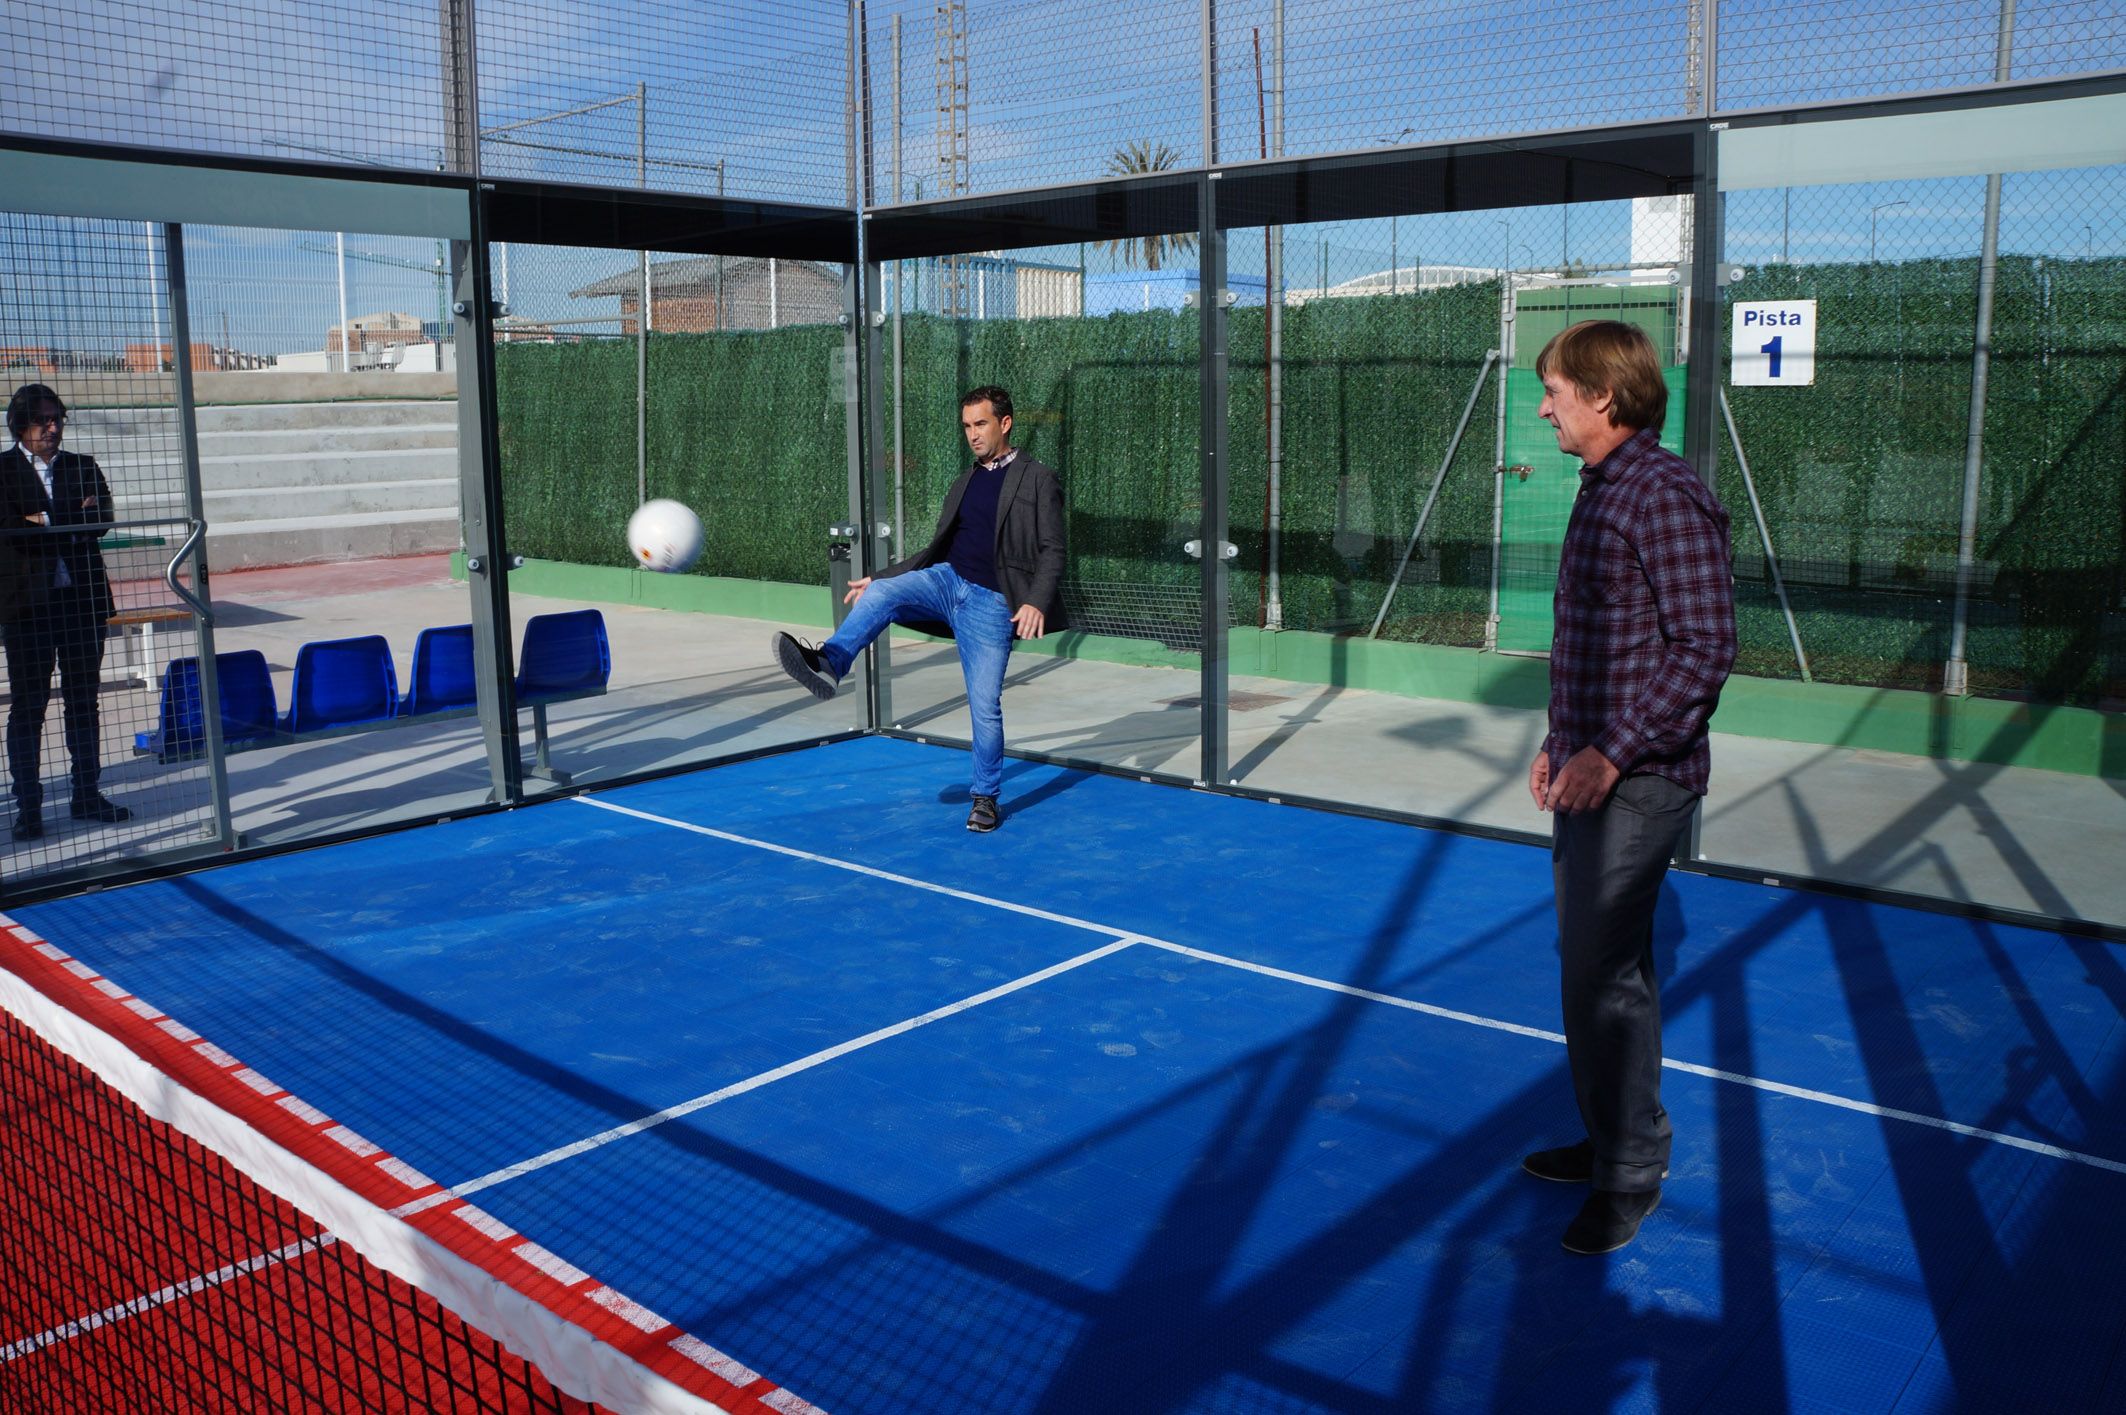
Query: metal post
(1764, 534)
(1212, 282)
(1498, 456)
(339, 241)
(1208, 11)
(1454, 445)
(900, 505)
(481, 512)
(173, 255)
(860, 392)
(461, 92)
(642, 311)
(1273, 337)
(1956, 673)
(1702, 359)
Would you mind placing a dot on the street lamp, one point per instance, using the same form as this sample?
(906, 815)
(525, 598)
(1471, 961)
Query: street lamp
(1394, 220)
(1885, 206)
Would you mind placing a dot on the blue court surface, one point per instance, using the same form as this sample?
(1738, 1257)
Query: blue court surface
(1230, 1119)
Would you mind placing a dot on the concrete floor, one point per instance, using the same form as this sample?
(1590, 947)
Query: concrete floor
(687, 688)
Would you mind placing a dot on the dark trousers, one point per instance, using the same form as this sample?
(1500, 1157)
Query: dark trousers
(65, 633)
(1607, 865)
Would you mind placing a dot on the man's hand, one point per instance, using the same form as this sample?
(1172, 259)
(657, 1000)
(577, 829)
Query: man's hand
(1584, 783)
(89, 503)
(856, 590)
(1030, 622)
(35, 518)
(1539, 779)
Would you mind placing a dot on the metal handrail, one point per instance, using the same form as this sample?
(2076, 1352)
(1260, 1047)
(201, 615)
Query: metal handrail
(169, 574)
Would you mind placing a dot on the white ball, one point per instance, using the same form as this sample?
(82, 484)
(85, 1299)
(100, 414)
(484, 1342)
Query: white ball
(664, 536)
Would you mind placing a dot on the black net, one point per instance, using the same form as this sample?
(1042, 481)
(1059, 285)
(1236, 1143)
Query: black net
(144, 1272)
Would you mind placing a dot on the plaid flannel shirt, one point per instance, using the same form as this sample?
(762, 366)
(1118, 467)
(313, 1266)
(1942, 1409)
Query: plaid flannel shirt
(1645, 616)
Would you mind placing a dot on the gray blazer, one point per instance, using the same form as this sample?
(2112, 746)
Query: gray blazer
(1029, 548)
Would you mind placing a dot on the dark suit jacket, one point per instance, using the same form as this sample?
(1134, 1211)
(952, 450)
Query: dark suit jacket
(1029, 545)
(28, 553)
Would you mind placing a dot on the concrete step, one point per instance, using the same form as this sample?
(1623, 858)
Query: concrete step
(311, 441)
(273, 503)
(310, 540)
(161, 475)
(264, 417)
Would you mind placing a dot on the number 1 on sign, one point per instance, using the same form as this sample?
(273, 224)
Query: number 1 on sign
(1773, 349)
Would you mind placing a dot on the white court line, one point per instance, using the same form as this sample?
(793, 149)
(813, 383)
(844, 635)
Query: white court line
(81, 1326)
(1780, 1088)
(754, 1083)
(891, 878)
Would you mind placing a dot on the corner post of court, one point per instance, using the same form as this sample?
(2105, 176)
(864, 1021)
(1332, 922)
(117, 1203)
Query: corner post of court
(1705, 362)
(180, 320)
(1211, 304)
(861, 390)
(480, 509)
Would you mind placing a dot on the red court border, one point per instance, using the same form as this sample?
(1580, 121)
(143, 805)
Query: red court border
(585, 1336)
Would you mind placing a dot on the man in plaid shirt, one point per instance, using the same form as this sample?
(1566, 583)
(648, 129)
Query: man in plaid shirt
(1645, 637)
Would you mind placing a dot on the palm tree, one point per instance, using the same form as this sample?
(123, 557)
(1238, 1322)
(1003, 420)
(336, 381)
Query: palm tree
(1136, 159)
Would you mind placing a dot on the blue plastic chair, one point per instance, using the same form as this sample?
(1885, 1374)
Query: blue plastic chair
(565, 656)
(342, 683)
(442, 676)
(249, 712)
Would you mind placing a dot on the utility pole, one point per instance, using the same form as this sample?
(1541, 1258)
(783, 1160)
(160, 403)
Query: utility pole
(952, 138)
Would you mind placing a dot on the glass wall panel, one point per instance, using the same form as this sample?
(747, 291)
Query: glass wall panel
(1098, 347)
(1916, 708)
(731, 400)
(325, 375)
(1390, 607)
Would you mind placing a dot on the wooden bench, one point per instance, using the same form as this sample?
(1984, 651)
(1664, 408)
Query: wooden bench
(137, 650)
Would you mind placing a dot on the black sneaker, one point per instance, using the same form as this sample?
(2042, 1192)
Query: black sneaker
(985, 816)
(98, 808)
(804, 664)
(29, 825)
(1609, 1220)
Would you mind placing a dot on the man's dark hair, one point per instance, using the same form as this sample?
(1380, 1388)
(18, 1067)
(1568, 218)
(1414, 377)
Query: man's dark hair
(994, 396)
(28, 399)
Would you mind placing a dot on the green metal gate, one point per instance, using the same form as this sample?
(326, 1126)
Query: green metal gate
(1540, 481)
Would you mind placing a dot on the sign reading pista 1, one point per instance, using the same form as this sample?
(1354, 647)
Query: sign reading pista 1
(1774, 344)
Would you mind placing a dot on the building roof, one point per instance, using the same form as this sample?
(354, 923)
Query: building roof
(696, 273)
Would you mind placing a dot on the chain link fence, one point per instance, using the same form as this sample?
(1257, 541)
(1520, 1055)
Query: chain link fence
(1817, 51)
(717, 99)
(317, 80)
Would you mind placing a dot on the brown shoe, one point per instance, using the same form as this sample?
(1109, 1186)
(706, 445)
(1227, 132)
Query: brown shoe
(985, 816)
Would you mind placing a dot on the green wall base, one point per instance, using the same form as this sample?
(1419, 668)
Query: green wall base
(1988, 730)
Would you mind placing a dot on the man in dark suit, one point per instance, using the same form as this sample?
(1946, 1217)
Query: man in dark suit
(55, 600)
(993, 571)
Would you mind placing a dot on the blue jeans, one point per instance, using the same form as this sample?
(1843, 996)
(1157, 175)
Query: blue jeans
(981, 623)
